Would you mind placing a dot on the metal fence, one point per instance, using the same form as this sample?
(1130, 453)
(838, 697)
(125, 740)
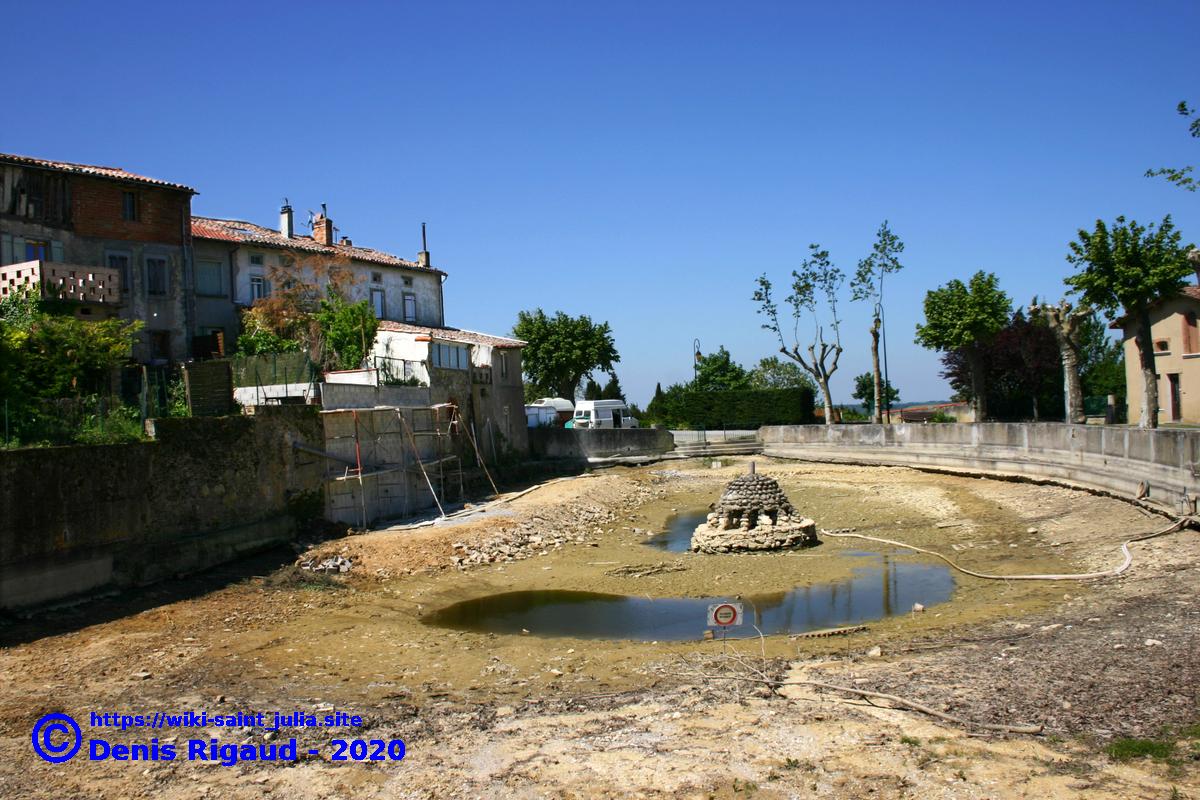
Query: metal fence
(400, 371)
(117, 414)
(272, 369)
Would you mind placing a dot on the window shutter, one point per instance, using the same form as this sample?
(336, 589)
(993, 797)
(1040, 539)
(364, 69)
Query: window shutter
(6, 251)
(56, 251)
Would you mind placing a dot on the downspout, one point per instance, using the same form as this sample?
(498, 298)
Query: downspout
(442, 301)
(188, 288)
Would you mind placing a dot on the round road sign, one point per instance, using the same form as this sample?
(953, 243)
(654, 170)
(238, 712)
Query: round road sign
(725, 614)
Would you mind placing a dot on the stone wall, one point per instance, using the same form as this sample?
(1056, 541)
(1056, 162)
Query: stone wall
(205, 491)
(1112, 459)
(598, 444)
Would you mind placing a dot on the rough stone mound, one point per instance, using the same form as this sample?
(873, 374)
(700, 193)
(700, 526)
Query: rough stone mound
(753, 513)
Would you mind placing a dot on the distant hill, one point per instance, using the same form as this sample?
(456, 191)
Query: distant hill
(860, 408)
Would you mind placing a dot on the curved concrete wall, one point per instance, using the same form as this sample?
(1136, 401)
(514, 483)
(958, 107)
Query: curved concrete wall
(1109, 459)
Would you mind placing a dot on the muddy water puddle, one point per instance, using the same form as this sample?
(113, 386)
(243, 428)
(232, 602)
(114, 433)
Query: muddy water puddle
(883, 587)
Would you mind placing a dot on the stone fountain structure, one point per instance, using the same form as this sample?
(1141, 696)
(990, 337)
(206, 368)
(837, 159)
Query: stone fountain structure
(753, 514)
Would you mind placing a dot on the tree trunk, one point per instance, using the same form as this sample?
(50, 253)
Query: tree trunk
(978, 384)
(1073, 384)
(877, 415)
(828, 399)
(1145, 345)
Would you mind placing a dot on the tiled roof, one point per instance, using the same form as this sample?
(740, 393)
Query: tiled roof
(115, 173)
(233, 230)
(452, 334)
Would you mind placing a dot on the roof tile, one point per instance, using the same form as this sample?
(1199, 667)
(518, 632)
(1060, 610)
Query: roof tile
(452, 334)
(91, 169)
(234, 230)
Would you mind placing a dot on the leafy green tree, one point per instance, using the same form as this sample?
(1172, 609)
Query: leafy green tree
(612, 389)
(774, 373)
(864, 390)
(347, 331)
(817, 276)
(1101, 361)
(718, 372)
(1124, 270)
(867, 285)
(563, 350)
(592, 391)
(1181, 176)
(965, 317)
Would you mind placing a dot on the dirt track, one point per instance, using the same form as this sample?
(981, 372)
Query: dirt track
(488, 715)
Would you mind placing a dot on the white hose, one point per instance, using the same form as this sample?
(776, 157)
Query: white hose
(1175, 526)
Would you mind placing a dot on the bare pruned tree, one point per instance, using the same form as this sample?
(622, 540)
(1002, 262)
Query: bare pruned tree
(816, 278)
(1067, 322)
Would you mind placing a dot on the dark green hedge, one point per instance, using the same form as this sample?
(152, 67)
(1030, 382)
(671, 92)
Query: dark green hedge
(733, 409)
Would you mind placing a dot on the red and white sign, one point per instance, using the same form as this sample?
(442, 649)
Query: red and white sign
(723, 615)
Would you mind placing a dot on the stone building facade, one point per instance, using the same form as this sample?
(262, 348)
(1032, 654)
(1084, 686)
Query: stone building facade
(67, 220)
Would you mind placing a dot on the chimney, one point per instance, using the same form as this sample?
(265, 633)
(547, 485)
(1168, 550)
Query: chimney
(323, 228)
(423, 256)
(346, 242)
(285, 220)
(1194, 257)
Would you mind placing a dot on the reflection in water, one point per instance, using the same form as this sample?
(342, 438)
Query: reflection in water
(678, 536)
(888, 587)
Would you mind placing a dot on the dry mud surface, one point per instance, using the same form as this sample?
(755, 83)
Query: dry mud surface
(487, 715)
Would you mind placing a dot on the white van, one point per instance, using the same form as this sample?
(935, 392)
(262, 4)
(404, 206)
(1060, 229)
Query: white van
(602, 414)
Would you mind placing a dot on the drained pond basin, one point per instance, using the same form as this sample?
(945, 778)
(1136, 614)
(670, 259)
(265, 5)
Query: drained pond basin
(883, 586)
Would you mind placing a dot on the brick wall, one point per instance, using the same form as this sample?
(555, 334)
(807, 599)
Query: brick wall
(164, 215)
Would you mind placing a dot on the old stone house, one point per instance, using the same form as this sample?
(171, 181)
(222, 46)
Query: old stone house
(478, 372)
(116, 243)
(1176, 335)
(239, 262)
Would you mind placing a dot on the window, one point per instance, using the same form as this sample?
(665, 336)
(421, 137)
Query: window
(376, 277)
(119, 263)
(209, 276)
(407, 281)
(260, 287)
(37, 251)
(504, 365)
(129, 206)
(410, 307)
(1162, 346)
(1191, 337)
(450, 356)
(256, 259)
(378, 303)
(156, 275)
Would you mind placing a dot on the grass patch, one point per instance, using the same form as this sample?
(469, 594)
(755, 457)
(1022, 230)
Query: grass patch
(911, 741)
(295, 578)
(1129, 749)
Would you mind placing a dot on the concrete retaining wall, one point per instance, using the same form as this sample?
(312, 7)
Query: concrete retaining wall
(1111, 459)
(350, 395)
(569, 443)
(207, 490)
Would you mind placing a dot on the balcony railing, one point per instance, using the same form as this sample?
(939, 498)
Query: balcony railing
(54, 280)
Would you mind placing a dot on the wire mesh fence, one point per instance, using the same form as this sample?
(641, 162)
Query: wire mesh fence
(115, 414)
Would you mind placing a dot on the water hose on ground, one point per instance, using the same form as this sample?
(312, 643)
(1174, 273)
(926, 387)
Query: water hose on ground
(1108, 573)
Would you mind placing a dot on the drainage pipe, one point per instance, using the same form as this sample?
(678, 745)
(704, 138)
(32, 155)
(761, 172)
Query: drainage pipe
(1175, 526)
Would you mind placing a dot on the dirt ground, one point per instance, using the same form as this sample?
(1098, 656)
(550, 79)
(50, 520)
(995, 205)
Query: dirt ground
(488, 715)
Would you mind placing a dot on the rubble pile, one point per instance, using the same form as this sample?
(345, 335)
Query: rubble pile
(334, 564)
(537, 537)
(753, 514)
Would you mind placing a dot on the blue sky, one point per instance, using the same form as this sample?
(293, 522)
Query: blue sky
(641, 162)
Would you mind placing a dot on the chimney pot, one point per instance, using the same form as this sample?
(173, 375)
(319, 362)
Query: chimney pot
(346, 241)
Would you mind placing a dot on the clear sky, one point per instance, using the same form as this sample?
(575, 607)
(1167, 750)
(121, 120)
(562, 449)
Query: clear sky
(640, 162)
